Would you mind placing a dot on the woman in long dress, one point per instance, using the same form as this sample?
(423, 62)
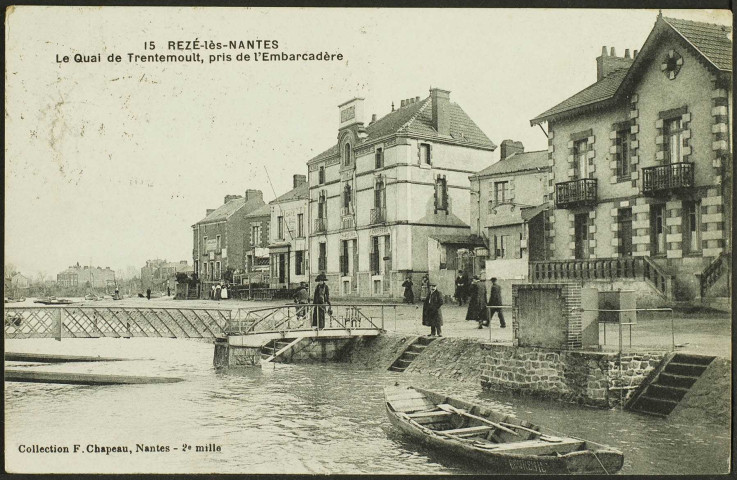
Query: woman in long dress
(477, 303)
(320, 299)
(409, 295)
(424, 288)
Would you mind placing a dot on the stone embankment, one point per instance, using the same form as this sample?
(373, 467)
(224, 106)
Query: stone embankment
(589, 378)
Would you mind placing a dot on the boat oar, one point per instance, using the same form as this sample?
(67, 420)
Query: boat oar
(520, 427)
(452, 409)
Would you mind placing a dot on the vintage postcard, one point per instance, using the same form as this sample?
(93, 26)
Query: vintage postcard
(367, 241)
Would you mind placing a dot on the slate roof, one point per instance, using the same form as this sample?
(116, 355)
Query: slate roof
(517, 162)
(301, 192)
(223, 212)
(415, 119)
(264, 210)
(602, 90)
(709, 40)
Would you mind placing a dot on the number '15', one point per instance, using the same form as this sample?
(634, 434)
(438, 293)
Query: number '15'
(149, 45)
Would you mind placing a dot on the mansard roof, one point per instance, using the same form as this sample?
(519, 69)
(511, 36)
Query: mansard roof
(517, 162)
(415, 120)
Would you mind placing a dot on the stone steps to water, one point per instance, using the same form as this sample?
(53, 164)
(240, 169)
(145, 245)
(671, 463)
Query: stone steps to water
(410, 354)
(670, 385)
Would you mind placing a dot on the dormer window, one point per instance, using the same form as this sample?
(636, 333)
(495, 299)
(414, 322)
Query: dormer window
(347, 154)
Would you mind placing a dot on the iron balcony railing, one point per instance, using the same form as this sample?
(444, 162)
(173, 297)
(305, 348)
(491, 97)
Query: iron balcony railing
(347, 223)
(320, 225)
(575, 193)
(378, 215)
(667, 178)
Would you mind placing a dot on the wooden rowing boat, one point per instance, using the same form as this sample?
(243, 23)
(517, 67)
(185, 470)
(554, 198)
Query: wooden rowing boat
(53, 301)
(502, 442)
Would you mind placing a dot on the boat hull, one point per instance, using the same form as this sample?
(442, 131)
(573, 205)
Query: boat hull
(588, 461)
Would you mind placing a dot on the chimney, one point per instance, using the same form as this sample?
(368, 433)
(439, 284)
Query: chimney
(209, 211)
(606, 64)
(230, 197)
(634, 54)
(298, 180)
(508, 147)
(402, 103)
(254, 195)
(417, 98)
(440, 110)
(373, 118)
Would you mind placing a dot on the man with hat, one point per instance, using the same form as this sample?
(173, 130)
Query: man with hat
(477, 303)
(321, 298)
(431, 315)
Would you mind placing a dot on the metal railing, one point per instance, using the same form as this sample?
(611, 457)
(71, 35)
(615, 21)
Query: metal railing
(575, 193)
(714, 271)
(295, 317)
(320, 225)
(94, 322)
(664, 178)
(378, 215)
(659, 279)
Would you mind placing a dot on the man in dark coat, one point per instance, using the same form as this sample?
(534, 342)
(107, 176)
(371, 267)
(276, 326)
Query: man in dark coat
(431, 314)
(409, 295)
(460, 292)
(321, 298)
(477, 303)
(148, 293)
(496, 300)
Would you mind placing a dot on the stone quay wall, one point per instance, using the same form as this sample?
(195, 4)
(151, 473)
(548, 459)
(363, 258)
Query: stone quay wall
(587, 378)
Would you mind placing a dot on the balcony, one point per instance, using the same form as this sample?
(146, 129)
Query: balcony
(320, 225)
(347, 223)
(665, 179)
(378, 215)
(576, 193)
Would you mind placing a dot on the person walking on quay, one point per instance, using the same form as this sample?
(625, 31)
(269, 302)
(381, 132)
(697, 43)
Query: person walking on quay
(218, 289)
(321, 298)
(409, 295)
(496, 300)
(462, 284)
(424, 287)
(224, 291)
(431, 315)
(212, 292)
(301, 297)
(168, 291)
(148, 293)
(477, 303)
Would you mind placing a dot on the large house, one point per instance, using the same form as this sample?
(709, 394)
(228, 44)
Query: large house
(219, 238)
(86, 276)
(383, 189)
(288, 237)
(641, 164)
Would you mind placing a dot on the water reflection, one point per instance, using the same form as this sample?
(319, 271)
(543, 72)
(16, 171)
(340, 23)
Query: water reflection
(288, 419)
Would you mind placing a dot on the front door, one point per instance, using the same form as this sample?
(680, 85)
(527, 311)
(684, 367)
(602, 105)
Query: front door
(625, 232)
(282, 267)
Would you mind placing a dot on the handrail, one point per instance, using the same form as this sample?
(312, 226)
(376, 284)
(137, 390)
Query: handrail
(660, 280)
(714, 271)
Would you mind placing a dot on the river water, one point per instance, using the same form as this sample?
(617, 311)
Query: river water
(311, 419)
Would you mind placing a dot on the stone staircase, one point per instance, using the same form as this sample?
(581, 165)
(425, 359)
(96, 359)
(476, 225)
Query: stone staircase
(669, 385)
(410, 353)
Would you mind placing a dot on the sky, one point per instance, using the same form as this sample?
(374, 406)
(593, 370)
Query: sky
(110, 163)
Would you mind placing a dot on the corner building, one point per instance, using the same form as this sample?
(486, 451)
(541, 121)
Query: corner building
(641, 163)
(382, 190)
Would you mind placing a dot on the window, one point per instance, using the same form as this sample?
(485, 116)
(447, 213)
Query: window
(344, 258)
(622, 143)
(501, 192)
(657, 230)
(580, 162)
(217, 240)
(217, 271)
(673, 140)
(424, 154)
(691, 231)
(520, 245)
(300, 225)
(500, 245)
(321, 175)
(581, 236)
(321, 206)
(379, 194)
(375, 265)
(299, 261)
(347, 154)
(204, 242)
(280, 228)
(379, 158)
(347, 196)
(204, 271)
(256, 235)
(441, 194)
(322, 258)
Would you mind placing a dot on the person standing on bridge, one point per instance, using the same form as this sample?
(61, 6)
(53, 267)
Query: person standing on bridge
(320, 299)
(431, 315)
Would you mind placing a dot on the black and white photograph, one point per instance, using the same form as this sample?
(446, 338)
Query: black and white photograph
(394, 241)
